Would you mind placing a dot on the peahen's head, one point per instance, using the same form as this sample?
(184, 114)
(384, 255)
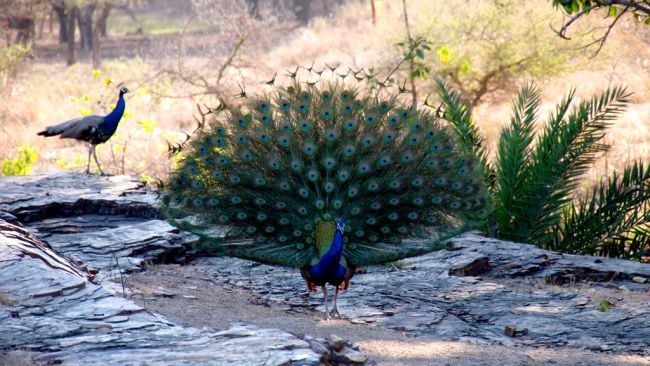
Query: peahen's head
(123, 90)
(340, 225)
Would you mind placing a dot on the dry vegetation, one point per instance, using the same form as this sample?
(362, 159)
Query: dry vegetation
(172, 72)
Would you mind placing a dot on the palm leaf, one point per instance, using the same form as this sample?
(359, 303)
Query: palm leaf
(613, 220)
(565, 150)
(459, 117)
(513, 156)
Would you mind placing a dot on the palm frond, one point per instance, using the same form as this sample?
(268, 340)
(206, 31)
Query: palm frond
(565, 150)
(513, 156)
(459, 117)
(613, 220)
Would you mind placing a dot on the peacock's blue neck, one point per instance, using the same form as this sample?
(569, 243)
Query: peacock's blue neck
(332, 257)
(113, 118)
(328, 267)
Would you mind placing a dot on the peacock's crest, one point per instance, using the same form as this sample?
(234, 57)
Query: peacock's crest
(282, 165)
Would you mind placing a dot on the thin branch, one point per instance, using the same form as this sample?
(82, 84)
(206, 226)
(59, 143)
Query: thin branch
(234, 52)
(411, 60)
(565, 26)
(609, 29)
(627, 4)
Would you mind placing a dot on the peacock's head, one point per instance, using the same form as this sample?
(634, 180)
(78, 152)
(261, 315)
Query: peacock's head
(340, 225)
(124, 90)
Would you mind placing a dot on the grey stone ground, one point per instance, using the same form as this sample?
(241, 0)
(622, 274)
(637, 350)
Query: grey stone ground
(109, 227)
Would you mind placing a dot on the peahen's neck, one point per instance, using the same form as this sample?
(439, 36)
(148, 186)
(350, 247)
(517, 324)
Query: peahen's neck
(113, 118)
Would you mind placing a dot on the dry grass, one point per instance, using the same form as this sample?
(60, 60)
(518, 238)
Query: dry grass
(41, 95)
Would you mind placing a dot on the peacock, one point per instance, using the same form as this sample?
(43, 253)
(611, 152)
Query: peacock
(93, 128)
(325, 177)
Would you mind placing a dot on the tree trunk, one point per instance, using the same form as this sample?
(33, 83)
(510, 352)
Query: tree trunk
(25, 27)
(254, 8)
(301, 7)
(62, 16)
(102, 21)
(41, 25)
(71, 17)
(374, 12)
(85, 20)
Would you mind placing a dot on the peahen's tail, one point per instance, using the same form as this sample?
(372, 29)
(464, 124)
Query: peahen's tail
(271, 172)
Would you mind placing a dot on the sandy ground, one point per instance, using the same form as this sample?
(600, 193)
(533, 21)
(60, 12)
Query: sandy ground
(201, 303)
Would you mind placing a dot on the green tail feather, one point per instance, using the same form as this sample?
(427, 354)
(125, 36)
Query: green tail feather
(275, 168)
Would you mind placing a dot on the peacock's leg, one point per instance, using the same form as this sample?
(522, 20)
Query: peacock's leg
(97, 161)
(90, 151)
(327, 314)
(335, 309)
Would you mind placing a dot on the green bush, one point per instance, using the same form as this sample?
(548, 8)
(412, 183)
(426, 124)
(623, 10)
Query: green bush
(22, 165)
(534, 176)
(11, 58)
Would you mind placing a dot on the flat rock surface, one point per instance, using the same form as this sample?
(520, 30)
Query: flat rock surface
(460, 299)
(47, 306)
(419, 297)
(100, 222)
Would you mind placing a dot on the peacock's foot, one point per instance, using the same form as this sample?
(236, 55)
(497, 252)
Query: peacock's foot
(335, 312)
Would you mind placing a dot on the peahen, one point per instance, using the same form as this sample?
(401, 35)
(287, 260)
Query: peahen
(93, 129)
(325, 177)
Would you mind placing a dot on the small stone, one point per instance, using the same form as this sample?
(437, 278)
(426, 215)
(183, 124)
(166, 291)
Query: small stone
(189, 297)
(354, 357)
(318, 348)
(337, 342)
(163, 292)
(639, 279)
(510, 330)
(474, 268)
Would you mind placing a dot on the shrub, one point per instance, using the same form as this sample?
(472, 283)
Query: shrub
(534, 176)
(22, 165)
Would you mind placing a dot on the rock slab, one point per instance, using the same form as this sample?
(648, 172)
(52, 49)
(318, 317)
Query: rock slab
(48, 306)
(471, 292)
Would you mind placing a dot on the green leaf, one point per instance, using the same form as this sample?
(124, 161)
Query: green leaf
(513, 157)
(420, 53)
(612, 11)
(612, 220)
(459, 117)
(647, 21)
(565, 150)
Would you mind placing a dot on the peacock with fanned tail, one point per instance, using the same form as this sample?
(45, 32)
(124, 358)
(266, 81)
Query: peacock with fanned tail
(325, 177)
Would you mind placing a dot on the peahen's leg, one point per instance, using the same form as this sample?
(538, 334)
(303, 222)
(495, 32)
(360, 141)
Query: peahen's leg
(327, 314)
(90, 151)
(335, 309)
(97, 161)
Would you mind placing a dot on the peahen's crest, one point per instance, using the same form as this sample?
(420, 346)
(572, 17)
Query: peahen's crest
(279, 170)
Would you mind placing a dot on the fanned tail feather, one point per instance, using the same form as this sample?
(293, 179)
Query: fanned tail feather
(271, 170)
